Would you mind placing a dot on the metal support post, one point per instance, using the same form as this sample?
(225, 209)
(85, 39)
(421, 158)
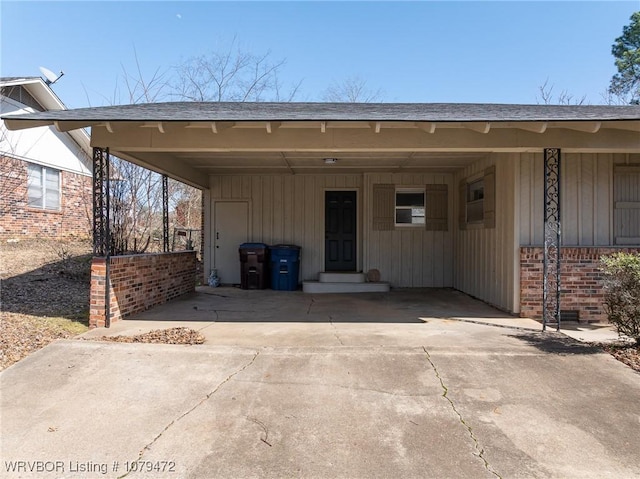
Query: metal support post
(100, 201)
(552, 239)
(101, 220)
(165, 213)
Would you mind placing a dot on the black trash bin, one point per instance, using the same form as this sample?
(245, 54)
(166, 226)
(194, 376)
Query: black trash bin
(254, 264)
(285, 266)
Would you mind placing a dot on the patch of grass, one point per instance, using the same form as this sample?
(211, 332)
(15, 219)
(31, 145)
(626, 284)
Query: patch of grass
(72, 326)
(22, 334)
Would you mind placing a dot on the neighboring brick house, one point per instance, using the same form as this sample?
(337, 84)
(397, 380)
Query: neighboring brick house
(45, 174)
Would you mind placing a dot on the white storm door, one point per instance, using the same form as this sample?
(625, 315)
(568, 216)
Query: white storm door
(230, 230)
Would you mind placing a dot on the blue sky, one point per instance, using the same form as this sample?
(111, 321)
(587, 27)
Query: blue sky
(420, 51)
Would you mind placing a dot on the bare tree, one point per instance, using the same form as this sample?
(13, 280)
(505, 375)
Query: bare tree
(185, 202)
(352, 90)
(610, 97)
(136, 192)
(136, 207)
(232, 74)
(563, 98)
(11, 178)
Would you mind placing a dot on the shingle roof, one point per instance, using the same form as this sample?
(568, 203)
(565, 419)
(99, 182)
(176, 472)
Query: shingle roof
(436, 112)
(8, 79)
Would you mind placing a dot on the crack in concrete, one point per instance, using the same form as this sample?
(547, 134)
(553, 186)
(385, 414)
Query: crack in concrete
(495, 325)
(476, 443)
(224, 310)
(215, 390)
(329, 385)
(335, 331)
(310, 306)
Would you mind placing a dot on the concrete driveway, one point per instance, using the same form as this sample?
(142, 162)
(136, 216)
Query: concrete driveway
(373, 390)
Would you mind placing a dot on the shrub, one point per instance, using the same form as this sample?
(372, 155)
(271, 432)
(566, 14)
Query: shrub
(622, 292)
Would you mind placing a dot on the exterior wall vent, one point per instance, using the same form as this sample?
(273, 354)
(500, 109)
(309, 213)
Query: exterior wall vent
(570, 315)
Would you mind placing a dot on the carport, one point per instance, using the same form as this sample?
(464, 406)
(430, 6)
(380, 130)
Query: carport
(437, 191)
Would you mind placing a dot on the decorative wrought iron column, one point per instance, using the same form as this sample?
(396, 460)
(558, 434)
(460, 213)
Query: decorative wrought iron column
(102, 221)
(101, 201)
(165, 213)
(552, 239)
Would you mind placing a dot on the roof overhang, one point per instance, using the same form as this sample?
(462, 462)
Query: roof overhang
(46, 97)
(191, 141)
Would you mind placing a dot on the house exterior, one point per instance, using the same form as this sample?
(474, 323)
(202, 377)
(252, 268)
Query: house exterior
(46, 174)
(426, 195)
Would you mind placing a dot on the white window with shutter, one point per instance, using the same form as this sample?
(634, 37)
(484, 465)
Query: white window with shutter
(43, 188)
(395, 207)
(477, 200)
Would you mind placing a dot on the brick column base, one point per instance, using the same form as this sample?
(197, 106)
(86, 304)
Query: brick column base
(582, 290)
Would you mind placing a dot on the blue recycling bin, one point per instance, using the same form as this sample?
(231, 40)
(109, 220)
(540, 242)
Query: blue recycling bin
(285, 267)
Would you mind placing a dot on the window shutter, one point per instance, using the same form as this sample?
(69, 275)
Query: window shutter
(462, 204)
(436, 206)
(384, 204)
(490, 197)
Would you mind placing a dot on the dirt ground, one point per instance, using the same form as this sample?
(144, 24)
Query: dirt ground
(44, 296)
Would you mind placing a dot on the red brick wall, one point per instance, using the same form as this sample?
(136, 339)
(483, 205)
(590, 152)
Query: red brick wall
(580, 281)
(139, 282)
(20, 220)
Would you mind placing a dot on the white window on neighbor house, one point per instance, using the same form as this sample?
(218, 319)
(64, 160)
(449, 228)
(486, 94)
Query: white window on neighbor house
(409, 209)
(475, 201)
(43, 188)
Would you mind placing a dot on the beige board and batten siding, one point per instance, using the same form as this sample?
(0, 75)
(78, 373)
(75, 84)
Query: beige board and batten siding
(408, 256)
(287, 209)
(485, 262)
(587, 196)
(290, 209)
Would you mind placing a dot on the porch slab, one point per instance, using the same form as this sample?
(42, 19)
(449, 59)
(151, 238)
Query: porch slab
(236, 317)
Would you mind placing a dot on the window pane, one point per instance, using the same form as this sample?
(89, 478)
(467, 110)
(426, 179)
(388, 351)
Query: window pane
(52, 188)
(409, 216)
(409, 199)
(34, 186)
(52, 200)
(475, 211)
(475, 190)
(403, 216)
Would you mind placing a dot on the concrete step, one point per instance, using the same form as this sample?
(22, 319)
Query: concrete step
(317, 287)
(324, 277)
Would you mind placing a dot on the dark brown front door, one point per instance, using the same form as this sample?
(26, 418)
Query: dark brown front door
(340, 231)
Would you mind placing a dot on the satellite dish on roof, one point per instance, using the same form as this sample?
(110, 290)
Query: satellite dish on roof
(50, 77)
